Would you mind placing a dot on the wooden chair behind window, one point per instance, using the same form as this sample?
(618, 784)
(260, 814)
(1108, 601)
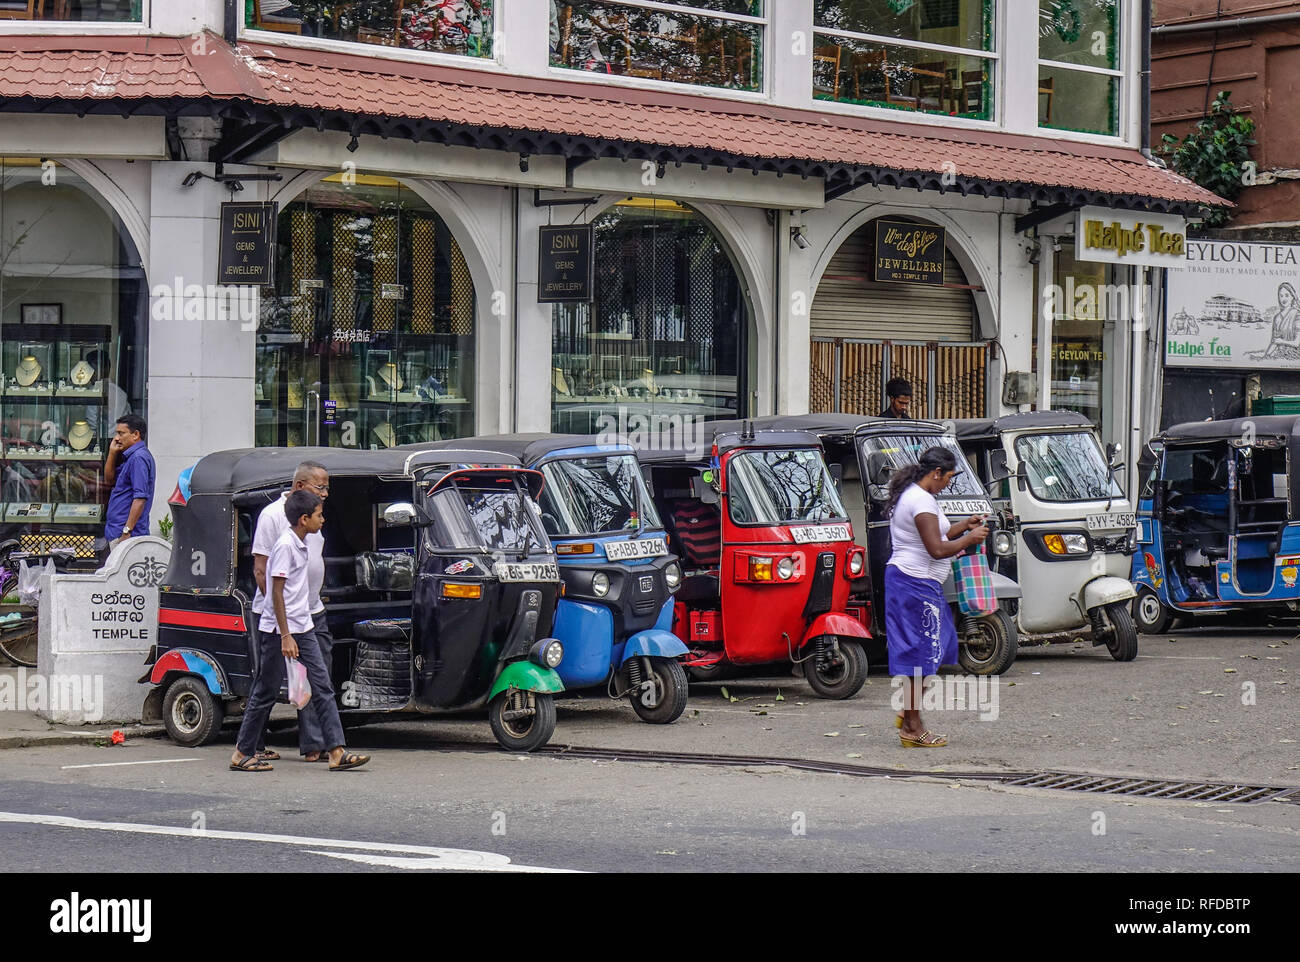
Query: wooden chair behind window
(930, 85)
(260, 24)
(688, 39)
(833, 56)
(22, 9)
(385, 38)
(877, 61)
(1047, 86)
(971, 91)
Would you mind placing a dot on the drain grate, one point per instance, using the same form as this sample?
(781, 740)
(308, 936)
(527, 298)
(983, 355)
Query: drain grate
(1155, 788)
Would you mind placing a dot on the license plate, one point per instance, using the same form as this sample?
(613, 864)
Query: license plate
(640, 548)
(817, 533)
(1124, 519)
(954, 506)
(527, 571)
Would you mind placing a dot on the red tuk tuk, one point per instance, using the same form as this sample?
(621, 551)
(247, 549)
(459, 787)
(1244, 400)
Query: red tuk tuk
(767, 554)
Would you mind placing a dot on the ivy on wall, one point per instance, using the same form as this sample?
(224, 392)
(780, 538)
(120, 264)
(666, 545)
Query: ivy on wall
(1214, 154)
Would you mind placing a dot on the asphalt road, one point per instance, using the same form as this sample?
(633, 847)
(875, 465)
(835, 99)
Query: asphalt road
(418, 808)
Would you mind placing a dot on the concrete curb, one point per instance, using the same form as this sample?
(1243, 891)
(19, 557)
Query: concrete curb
(65, 736)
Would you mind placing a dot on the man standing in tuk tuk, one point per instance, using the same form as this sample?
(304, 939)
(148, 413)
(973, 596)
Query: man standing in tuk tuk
(283, 624)
(899, 393)
(272, 523)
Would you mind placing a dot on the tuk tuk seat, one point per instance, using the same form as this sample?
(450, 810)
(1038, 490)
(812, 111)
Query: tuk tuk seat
(702, 587)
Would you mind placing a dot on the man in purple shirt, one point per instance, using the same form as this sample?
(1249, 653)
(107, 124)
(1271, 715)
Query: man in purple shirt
(130, 469)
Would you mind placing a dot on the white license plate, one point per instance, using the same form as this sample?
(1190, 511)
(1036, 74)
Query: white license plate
(527, 571)
(810, 534)
(640, 548)
(956, 506)
(1125, 519)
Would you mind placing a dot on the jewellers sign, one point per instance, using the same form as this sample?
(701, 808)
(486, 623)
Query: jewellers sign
(1125, 237)
(908, 252)
(1234, 305)
(564, 264)
(247, 255)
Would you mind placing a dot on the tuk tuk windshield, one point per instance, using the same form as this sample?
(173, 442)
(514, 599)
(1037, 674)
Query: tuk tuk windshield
(777, 487)
(495, 519)
(902, 451)
(1066, 467)
(596, 495)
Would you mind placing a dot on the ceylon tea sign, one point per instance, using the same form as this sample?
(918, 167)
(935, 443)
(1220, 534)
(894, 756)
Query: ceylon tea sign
(1141, 239)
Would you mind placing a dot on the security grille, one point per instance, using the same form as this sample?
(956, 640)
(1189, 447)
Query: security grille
(949, 380)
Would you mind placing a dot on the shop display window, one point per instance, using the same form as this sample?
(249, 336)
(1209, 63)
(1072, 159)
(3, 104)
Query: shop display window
(72, 317)
(709, 43)
(933, 56)
(444, 26)
(664, 335)
(368, 341)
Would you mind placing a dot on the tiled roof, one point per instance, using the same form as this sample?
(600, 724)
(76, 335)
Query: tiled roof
(36, 69)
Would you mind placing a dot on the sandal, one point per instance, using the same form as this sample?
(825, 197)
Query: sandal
(927, 739)
(898, 721)
(250, 763)
(320, 757)
(268, 755)
(349, 760)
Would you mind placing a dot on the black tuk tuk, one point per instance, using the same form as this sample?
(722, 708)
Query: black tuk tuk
(440, 590)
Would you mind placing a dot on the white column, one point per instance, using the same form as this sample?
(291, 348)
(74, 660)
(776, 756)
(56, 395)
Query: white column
(1018, 44)
(1046, 257)
(522, 35)
(532, 339)
(788, 65)
(200, 390)
(793, 313)
(180, 18)
(1015, 303)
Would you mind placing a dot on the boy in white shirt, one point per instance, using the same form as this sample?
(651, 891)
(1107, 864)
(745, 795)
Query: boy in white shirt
(286, 631)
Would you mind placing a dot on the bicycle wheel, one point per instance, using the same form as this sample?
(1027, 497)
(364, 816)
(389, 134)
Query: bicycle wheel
(18, 644)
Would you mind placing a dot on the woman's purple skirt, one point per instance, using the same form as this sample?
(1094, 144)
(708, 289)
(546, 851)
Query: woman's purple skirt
(919, 629)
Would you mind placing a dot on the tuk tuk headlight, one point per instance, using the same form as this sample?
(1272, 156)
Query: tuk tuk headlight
(1063, 544)
(600, 584)
(855, 563)
(548, 653)
(785, 569)
(1003, 543)
(673, 575)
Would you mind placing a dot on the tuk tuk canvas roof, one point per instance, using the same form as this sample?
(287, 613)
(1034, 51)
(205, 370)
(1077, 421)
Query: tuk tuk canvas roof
(988, 427)
(1274, 425)
(527, 448)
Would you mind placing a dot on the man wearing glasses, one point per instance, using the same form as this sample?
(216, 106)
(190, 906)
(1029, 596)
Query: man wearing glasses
(272, 523)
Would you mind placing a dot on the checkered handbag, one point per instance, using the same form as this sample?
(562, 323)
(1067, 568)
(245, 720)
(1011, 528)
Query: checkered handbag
(974, 583)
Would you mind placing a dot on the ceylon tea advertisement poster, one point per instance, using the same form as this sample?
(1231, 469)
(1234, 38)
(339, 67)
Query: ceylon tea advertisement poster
(1234, 304)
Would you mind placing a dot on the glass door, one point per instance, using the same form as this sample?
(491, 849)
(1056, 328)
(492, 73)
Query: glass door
(368, 341)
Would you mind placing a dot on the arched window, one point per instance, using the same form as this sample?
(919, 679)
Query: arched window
(368, 340)
(73, 309)
(665, 332)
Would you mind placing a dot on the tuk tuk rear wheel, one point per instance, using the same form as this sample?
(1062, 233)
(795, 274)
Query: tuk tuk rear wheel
(191, 714)
(1122, 643)
(1152, 617)
(670, 687)
(992, 649)
(844, 673)
(524, 733)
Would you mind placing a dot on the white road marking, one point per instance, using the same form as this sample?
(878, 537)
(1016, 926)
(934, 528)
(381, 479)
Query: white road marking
(443, 859)
(152, 761)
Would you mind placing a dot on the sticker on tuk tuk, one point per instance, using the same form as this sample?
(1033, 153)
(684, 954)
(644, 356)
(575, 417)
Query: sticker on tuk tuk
(1286, 560)
(952, 506)
(818, 533)
(459, 567)
(637, 548)
(526, 571)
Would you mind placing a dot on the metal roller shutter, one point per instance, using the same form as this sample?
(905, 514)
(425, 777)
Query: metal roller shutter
(849, 304)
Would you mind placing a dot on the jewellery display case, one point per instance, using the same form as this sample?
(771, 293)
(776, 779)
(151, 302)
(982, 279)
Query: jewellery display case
(53, 427)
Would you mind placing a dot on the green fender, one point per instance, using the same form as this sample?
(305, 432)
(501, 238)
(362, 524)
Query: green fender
(526, 676)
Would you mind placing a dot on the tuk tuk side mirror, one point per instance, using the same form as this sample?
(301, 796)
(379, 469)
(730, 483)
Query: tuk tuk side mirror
(999, 470)
(879, 469)
(1111, 451)
(400, 513)
(837, 475)
(703, 490)
(879, 492)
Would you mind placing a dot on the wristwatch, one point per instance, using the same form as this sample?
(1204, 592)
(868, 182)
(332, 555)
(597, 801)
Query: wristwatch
(126, 531)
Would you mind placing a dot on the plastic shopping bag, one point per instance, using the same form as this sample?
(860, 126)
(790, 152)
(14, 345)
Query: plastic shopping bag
(29, 581)
(974, 584)
(299, 687)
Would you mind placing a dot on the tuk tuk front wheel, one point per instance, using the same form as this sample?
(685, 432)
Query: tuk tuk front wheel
(990, 649)
(661, 698)
(522, 721)
(191, 714)
(837, 674)
(1122, 641)
(1152, 617)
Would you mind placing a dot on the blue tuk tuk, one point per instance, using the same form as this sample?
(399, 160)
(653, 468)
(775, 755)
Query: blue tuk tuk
(615, 616)
(1217, 530)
